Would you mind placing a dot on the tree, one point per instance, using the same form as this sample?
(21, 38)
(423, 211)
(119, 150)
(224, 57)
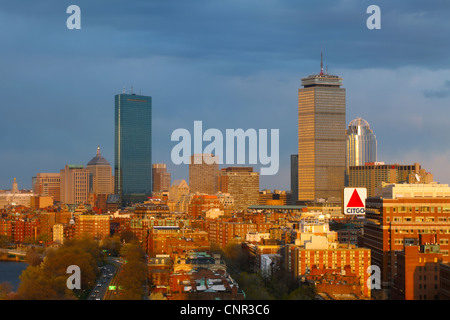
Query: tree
(127, 236)
(48, 280)
(253, 286)
(133, 275)
(57, 262)
(33, 258)
(112, 244)
(5, 289)
(37, 285)
(237, 258)
(157, 296)
(304, 292)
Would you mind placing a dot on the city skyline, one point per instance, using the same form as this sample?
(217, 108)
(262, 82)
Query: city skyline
(59, 120)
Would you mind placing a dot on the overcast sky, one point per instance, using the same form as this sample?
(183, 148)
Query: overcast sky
(229, 63)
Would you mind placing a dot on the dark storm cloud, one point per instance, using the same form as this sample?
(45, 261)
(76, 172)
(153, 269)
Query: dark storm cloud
(231, 64)
(251, 34)
(439, 93)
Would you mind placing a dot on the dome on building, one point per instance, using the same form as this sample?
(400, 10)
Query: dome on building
(359, 122)
(98, 160)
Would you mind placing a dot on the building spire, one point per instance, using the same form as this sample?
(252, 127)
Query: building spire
(321, 60)
(98, 151)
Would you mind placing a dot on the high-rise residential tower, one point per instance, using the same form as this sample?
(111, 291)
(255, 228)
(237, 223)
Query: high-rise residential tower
(321, 137)
(74, 184)
(100, 175)
(161, 178)
(203, 173)
(133, 148)
(242, 184)
(361, 143)
(48, 184)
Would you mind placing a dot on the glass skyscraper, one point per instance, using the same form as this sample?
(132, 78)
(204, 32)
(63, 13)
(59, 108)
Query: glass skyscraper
(361, 143)
(133, 148)
(321, 138)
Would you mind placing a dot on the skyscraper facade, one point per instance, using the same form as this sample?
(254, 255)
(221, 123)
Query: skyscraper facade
(48, 184)
(161, 178)
(74, 184)
(133, 148)
(100, 175)
(321, 137)
(361, 143)
(242, 184)
(203, 173)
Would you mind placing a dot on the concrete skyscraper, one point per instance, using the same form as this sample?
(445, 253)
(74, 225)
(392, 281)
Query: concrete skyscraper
(242, 184)
(161, 178)
(100, 175)
(74, 184)
(321, 137)
(361, 143)
(133, 148)
(203, 173)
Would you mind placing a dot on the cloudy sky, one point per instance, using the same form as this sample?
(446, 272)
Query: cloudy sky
(229, 63)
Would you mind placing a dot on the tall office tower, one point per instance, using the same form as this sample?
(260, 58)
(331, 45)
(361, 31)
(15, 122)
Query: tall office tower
(74, 186)
(361, 143)
(100, 175)
(161, 178)
(203, 173)
(321, 137)
(133, 148)
(294, 179)
(242, 184)
(48, 185)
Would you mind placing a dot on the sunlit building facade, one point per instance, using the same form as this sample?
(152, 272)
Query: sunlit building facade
(203, 173)
(133, 147)
(361, 143)
(321, 137)
(100, 175)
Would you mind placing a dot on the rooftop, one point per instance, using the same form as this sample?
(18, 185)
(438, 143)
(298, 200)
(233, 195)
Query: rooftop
(98, 160)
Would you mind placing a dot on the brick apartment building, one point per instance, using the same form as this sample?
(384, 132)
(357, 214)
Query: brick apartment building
(417, 276)
(93, 225)
(393, 221)
(173, 239)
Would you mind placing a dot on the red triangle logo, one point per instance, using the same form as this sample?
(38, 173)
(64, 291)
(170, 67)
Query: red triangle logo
(355, 201)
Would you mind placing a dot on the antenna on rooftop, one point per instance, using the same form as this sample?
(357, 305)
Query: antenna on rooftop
(131, 90)
(123, 89)
(321, 60)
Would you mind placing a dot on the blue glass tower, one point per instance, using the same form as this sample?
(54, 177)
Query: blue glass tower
(133, 148)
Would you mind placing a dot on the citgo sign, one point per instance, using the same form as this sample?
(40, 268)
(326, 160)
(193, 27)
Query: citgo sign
(355, 200)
